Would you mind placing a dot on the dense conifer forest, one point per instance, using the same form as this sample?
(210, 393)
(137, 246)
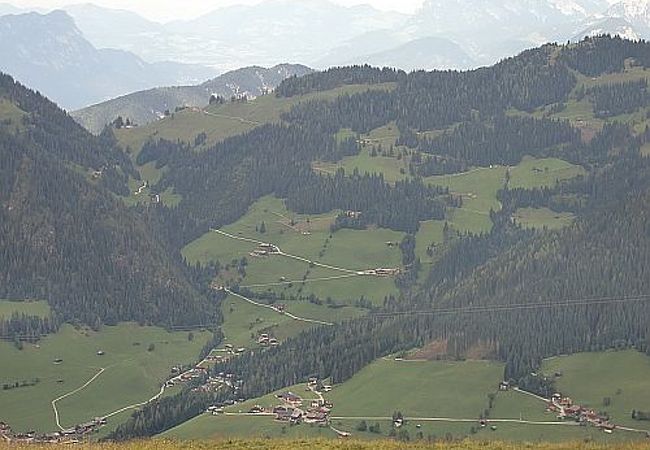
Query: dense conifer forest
(66, 237)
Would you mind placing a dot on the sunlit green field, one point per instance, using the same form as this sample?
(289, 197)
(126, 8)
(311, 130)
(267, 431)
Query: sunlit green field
(221, 427)
(622, 377)
(243, 322)
(132, 373)
(478, 188)
(535, 173)
(345, 252)
(420, 390)
(441, 390)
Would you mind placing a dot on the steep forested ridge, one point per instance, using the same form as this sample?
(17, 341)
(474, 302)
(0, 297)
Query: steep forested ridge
(65, 237)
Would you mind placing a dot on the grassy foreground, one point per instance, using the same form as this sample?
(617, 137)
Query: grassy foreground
(262, 444)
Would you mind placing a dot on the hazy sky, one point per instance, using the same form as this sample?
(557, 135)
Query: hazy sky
(163, 10)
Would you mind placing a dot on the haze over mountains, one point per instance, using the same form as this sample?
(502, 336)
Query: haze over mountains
(319, 33)
(49, 53)
(146, 106)
(78, 59)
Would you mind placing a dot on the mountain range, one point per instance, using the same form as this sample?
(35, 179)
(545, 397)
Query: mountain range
(321, 34)
(49, 53)
(146, 106)
(78, 60)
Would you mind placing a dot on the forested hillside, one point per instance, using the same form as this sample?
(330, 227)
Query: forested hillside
(65, 234)
(409, 195)
(521, 294)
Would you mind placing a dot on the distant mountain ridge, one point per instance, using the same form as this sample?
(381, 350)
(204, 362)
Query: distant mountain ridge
(146, 106)
(49, 53)
(322, 34)
(453, 34)
(427, 53)
(269, 33)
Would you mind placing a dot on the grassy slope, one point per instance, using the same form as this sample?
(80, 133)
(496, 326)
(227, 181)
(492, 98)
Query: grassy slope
(478, 188)
(38, 308)
(590, 377)
(241, 320)
(532, 173)
(392, 168)
(227, 120)
(542, 218)
(11, 113)
(348, 249)
(132, 373)
(218, 122)
(418, 388)
(228, 427)
(309, 444)
(209, 426)
(581, 113)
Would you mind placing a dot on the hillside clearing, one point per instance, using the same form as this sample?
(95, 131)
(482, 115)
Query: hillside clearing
(38, 308)
(541, 218)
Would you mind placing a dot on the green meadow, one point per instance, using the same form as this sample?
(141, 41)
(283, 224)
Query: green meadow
(219, 122)
(38, 308)
(478, 189)
(535, 173)
(207, 426)
(343, 252)
(131, 373)
(616, 382)
(243, 322)
(418, 389)
(541, 218)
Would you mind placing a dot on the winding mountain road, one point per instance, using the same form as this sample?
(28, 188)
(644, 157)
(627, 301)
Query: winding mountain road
(79, 389)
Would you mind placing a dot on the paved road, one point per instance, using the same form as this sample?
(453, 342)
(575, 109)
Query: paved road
(288, 255)
(285, 313)
(238, 119)
(80, 388)
(455, 420)
(305, 281)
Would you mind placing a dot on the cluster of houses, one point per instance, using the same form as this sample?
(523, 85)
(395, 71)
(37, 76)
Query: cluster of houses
(267, 341)
(294, 409)
(567, 410)
(231, 350)
(295, 412)
(380, 272)
(264, 250)
(180, 376)
(68, 436)
(352, 214)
